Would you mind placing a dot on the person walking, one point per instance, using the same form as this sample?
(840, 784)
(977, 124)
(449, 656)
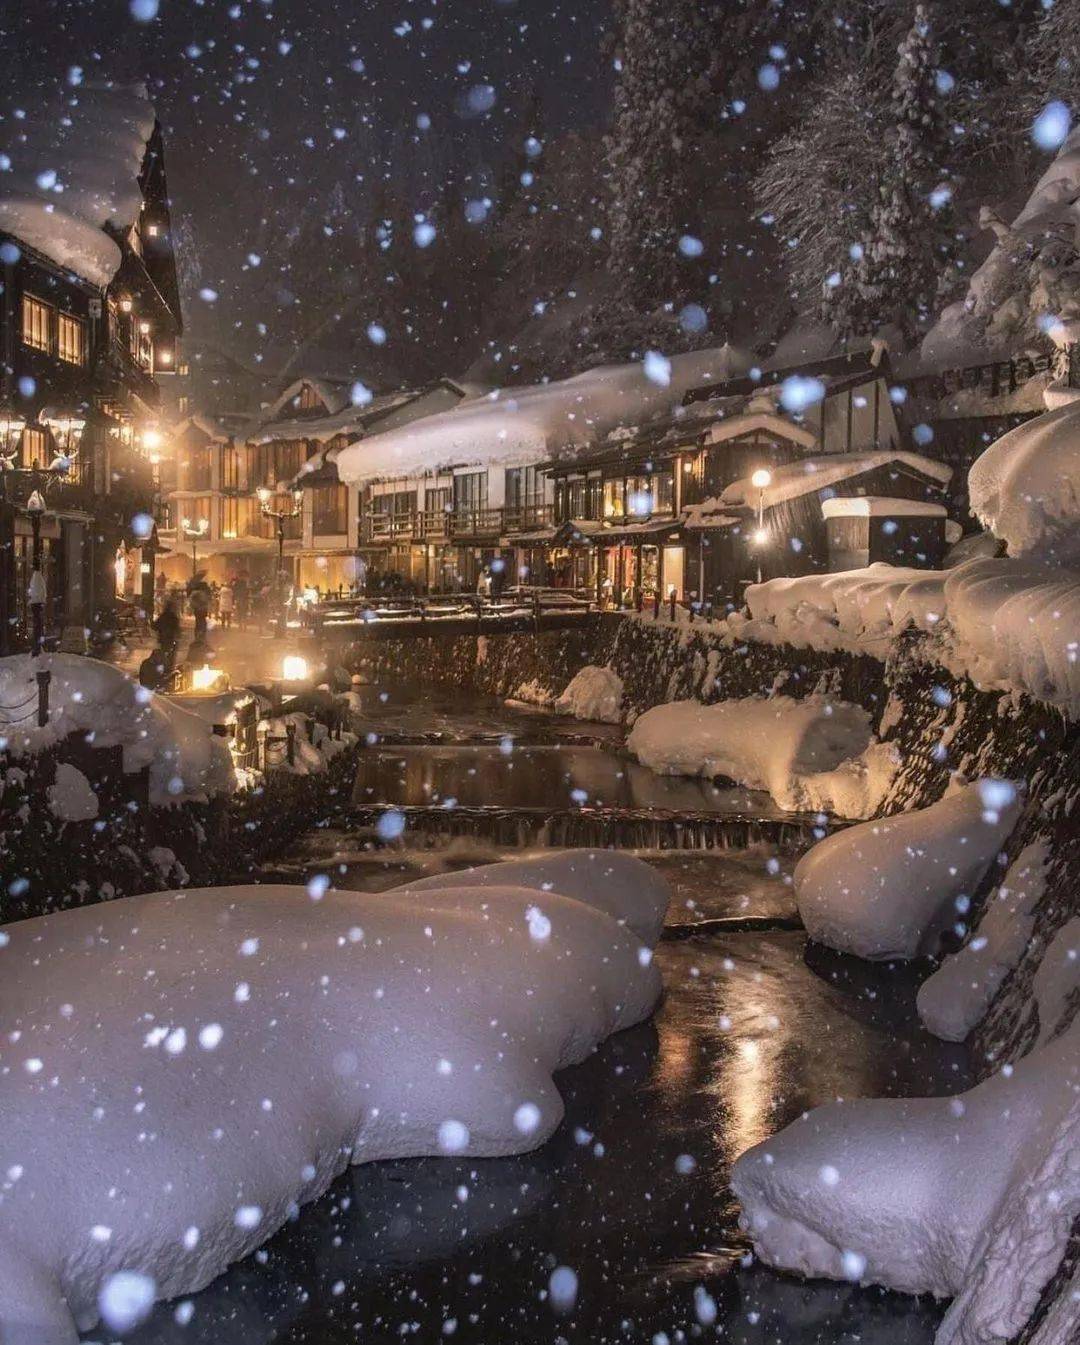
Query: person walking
(225, 605)
(167, 629)
(199, 602)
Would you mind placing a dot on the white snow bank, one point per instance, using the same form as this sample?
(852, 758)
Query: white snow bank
(958, 994)
(72, 798)
(529, 424)
(1026, 486)
(887, 888)
(271, 1037)
(75, 156)
(973, 1196)
(186, 760)
(812, 755)
(594, 693)
(311, 756)
(1008, 624)
(1057, 978)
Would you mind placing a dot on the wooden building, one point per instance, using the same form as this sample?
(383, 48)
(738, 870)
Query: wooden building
(80, 405)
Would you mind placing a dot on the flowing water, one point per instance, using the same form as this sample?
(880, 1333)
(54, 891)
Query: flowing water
(631, 1193)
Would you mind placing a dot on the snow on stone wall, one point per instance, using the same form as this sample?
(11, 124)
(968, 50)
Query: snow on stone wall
(428, 1022)
(72, 158)
(594, 693)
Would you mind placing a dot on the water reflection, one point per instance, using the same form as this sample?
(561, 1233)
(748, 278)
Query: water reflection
(631, 1192)
(541, 777)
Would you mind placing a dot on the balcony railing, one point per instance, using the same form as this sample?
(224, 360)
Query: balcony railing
(378, 527)
(526, 517)
(434, 524)
(476, 522)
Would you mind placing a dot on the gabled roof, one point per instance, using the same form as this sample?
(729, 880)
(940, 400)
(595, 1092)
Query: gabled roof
(733, 427)
(211, 428)
(809, 475)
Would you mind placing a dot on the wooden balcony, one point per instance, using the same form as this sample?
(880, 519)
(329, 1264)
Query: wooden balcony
(469, 523)
(528, 517)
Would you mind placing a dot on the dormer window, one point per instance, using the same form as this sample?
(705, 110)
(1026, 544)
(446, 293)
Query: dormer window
(310, 400)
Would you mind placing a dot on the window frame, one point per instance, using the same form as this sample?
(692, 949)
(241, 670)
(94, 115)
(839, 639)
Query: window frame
(78, 327)
(29, 301)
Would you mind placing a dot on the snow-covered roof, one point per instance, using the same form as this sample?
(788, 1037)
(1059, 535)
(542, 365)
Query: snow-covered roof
(880, 506)
(772, 422)
(205, 425)
(71, 158)
(349, 421)
(795, 479)
(530, 424)
(1026, 487)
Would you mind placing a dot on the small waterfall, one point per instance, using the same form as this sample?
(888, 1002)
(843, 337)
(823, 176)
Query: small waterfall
(604, 829)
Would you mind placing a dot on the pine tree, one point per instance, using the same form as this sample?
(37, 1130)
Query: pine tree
(664, 60)
(894, 275)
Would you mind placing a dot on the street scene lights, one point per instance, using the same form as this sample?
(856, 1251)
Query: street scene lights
(195, 529)
(280, 515)
(761, 481)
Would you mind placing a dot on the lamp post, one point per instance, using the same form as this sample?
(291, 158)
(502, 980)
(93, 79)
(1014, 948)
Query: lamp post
(35, 507)
(195, 530)
(761, 481)
(280, 515)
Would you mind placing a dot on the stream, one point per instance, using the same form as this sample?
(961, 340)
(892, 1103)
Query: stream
(631, 1193)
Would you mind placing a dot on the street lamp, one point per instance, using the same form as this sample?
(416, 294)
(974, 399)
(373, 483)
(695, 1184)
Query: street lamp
(195, 530)
(280, 515)
(761, 481)
(35, 507)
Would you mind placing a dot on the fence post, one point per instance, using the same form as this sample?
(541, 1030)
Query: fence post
(43, 679)
(290, 744)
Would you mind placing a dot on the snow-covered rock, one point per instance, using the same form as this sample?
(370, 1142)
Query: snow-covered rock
(1026, 486)
(186, 760)
(593, 693)
(1057, 978)
(180, 1071)
(973, 1196)
(71, 797)
(75, 157)
(958, 994)
(814, 755)
(888, 888)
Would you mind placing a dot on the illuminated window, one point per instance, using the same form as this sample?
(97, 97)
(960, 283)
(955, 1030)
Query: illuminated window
(71, 339)
(238, 517)
(329, 508)
(34, 448)
(310, 399)
(36, 324)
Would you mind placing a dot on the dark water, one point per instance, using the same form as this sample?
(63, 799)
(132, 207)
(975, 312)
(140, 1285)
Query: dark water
(539, 778)
(631, 1193)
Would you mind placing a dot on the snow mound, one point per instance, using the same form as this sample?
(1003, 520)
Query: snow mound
(958, 994)
(1026, 486)
(71, 797)
(186, 761)
(1057, 978)
(814, 754)
(594, 693)
(887, 889)
(973, 1196)
(75, 155)
(529, 424)
(270, 1042)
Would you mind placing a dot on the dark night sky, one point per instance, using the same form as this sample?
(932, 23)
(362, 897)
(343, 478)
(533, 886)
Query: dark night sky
(266, 104)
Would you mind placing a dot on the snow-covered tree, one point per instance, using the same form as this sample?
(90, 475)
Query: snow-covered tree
(664, 61)
(1052, 65)
(896, 271)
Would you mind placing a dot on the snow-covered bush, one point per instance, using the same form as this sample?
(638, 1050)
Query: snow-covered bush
(206, 1061)
(955, 997)
(814, 754)
(594, 693)
(887, 888)
(973, 1196)
(186, 760)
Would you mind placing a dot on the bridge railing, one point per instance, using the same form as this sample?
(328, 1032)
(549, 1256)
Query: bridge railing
(520, 606)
